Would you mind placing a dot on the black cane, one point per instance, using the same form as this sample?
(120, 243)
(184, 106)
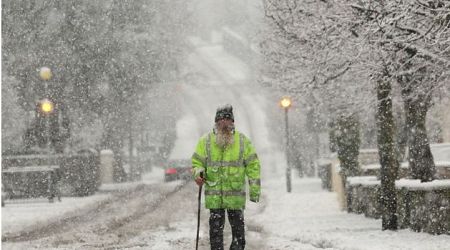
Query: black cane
(198, 211)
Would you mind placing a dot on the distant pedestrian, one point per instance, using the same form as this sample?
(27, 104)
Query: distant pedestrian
(226, 157)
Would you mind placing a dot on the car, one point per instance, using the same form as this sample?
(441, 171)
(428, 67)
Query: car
(178, 169)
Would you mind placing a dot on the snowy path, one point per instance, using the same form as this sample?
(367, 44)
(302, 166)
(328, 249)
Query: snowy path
(310, 218)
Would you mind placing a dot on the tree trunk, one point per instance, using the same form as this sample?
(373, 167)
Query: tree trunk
(417, 100)
(387, 154)
(420, 159)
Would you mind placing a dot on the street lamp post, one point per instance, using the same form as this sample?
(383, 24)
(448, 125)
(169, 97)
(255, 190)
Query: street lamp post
(286, 104)
(46, 105)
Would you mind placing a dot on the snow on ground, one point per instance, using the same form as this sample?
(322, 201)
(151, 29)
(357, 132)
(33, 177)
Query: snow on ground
(19, 214)
(173, 236)
(309, 218)
(306, 218)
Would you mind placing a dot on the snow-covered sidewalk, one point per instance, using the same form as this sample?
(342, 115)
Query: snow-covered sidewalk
(310, 218)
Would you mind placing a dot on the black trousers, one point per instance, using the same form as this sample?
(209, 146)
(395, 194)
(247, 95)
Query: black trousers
(217, 223)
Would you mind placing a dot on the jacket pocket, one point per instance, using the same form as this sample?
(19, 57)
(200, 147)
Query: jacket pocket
(235, 172)
(237, 185)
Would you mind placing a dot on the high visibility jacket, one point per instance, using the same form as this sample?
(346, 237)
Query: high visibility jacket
(226, 170)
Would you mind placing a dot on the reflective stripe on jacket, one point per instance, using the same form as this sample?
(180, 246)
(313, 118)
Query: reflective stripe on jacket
(226, 171)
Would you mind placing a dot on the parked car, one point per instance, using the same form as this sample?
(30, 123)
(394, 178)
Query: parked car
(179, 169)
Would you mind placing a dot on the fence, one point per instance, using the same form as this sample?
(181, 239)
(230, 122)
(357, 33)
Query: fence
(33, 176)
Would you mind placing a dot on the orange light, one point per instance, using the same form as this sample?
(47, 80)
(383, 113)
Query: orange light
(286, 102)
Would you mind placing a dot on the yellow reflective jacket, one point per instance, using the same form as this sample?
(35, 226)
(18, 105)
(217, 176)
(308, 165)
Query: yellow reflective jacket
(226, 170)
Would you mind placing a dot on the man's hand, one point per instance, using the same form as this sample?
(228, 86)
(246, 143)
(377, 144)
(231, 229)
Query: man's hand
(199, 180)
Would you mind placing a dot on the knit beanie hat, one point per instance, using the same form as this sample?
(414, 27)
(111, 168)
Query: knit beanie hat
(225, 111)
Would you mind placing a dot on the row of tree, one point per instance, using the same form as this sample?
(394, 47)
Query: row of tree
(107, 59)
(348, 58)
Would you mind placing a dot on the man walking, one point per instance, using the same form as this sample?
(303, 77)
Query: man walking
(225, 157)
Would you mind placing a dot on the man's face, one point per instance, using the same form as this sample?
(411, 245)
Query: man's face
(225, 124)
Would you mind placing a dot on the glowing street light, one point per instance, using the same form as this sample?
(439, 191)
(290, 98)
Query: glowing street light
(46, 106)
(45, 73)
(286, 103)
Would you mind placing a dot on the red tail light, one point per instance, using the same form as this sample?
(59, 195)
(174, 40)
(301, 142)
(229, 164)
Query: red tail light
(171, 171)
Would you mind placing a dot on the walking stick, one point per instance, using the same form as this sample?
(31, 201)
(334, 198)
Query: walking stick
(198, 211)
